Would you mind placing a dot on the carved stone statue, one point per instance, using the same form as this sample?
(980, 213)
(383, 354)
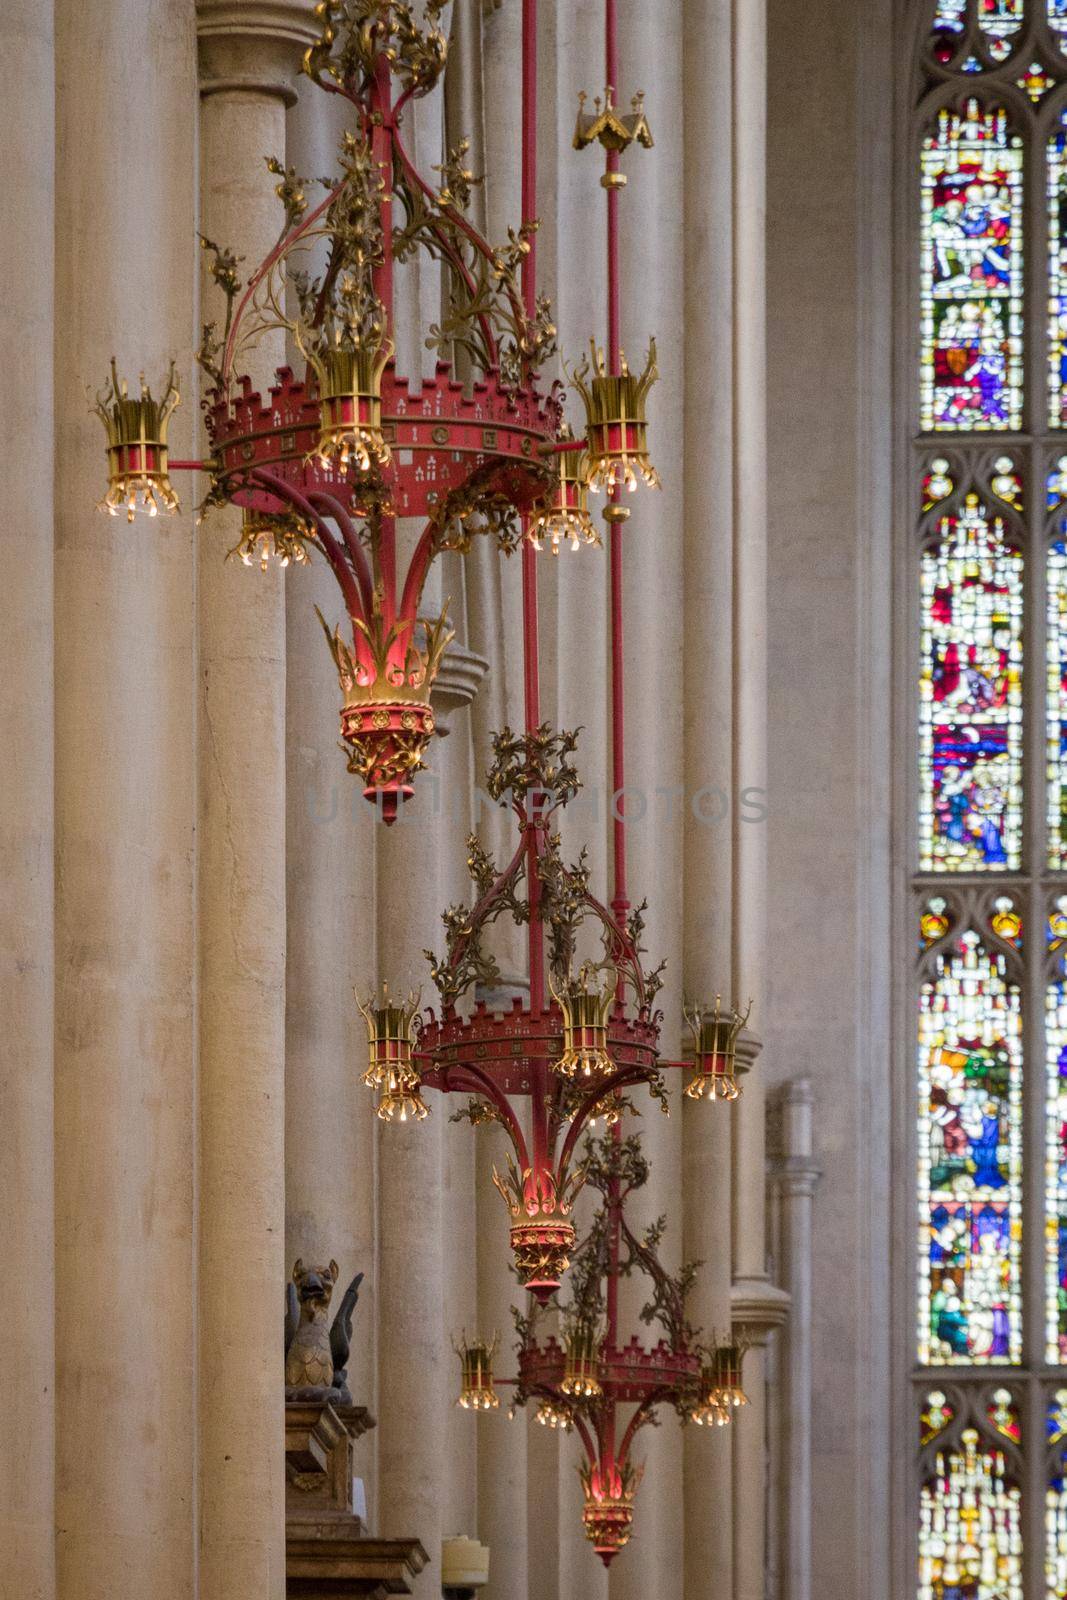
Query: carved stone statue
(316, 1350)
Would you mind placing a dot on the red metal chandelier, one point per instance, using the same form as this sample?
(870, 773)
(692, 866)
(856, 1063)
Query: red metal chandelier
(330, 462)
(587, 1380)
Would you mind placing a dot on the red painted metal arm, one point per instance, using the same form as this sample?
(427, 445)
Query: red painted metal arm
(470, 1079)
(621, 1080)
(417, 570)
(642, 1415)
(333, 508)
(334, 554)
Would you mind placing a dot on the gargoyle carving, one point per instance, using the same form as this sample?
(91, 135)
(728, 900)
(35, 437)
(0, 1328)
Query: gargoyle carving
(316, 1350)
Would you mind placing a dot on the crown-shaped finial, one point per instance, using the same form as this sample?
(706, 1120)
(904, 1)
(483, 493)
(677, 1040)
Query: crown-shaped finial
(616, 423)
(137, 446)
(386, 720)
(391, 1069)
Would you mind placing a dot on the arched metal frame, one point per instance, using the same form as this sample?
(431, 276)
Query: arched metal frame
(925, 86)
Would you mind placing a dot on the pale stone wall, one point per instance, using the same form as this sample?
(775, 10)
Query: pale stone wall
(829, 281)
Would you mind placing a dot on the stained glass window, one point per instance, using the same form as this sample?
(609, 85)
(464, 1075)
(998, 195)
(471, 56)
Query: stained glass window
(970, 1159)
(1057, 267)
(970, 1520)
(972, 271)
(989, 856)
(970, 727)
(1056, 1497)
(1056, 667)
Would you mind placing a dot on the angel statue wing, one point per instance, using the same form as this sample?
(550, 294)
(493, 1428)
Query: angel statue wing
(341, 1332)
(292, 1314)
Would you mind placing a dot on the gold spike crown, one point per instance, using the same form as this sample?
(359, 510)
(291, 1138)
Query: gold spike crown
(715, 1034)
(137, 447)
(581, 1368)
(605, 125)
(616, 422)
(608, 1513)
(391, 1066)
(542, 1233)
(585, 1024)
(727, 1367)
(350, 404)
(563, 516)
(477, 1392)
(707, 1410)
(386, 720)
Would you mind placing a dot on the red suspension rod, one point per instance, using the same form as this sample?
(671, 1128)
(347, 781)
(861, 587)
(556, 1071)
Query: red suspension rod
(620, 904)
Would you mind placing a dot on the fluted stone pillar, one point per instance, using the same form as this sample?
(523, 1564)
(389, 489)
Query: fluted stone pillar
(503, 1446)
(652, 251)
(415, 1362)
(711, 783)
(27, 1386)
(248, 55)
(330, 948)
(124, 798)
(795, 1177)
(758, 1306)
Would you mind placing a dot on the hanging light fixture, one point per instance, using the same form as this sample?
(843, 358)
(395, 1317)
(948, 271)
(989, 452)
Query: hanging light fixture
(563, 516)
(476, 1364)
(616, 424)
(580, 1380)
(600, 1384)
(585, 1011)
(391, 1071)
(715, 1034)
(138, 477)
(328, 461)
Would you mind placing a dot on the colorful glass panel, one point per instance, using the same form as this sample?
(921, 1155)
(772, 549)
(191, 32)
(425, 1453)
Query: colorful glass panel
(1057, 269)
(970, 1159)
(1056, 1171)
(970, 714)
(1056, 708)
(970, 1526)
(1003, 1414)
(950, 16)
(1056, 1502)
(972, 272)
(935, 1416)
(1056, 1417)
(1057, 21)
(1000, 21)
(1035, 82)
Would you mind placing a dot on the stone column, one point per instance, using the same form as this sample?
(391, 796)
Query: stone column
(329, 1138)
(124, 815)
(503, 1446)
(27, 969)
(795, 1176)
(248, 56)
(652, 254)
(757, 1305)
(415, 1361)
(710, 779)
